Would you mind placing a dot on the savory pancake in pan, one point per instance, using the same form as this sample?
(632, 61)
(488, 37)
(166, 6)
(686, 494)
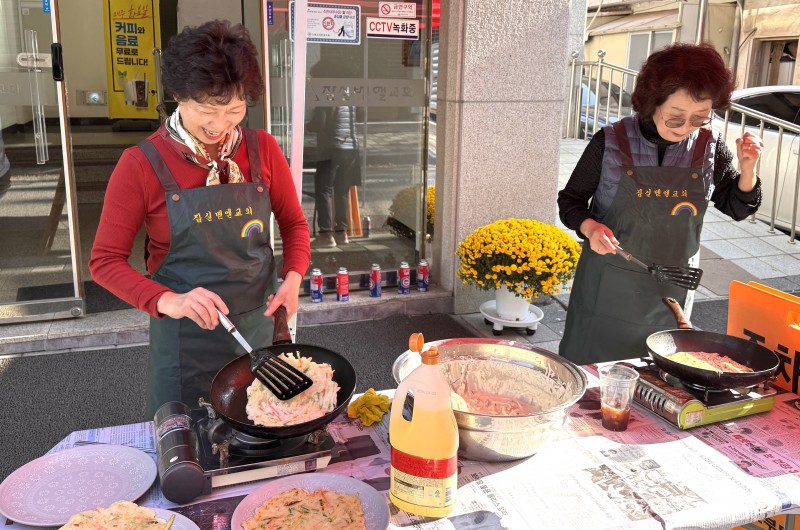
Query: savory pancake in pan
(708, 361)
(264, 408)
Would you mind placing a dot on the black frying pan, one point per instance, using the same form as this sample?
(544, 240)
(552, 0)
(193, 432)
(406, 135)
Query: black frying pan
(662, 344)
(229, 387)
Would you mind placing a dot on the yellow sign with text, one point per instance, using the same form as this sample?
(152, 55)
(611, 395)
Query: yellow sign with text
(132, 31)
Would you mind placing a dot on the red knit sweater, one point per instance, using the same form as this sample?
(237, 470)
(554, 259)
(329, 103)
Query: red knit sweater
(135, 196)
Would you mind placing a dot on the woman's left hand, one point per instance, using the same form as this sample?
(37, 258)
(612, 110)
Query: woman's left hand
(287, 295)
(748, 149)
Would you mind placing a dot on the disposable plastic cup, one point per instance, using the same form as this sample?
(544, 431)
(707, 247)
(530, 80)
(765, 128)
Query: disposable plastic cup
(617, 384)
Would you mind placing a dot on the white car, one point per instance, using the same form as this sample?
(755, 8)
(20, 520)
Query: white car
(777, 171)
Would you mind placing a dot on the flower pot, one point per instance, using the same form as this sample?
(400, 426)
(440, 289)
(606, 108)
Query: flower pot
(509, 306)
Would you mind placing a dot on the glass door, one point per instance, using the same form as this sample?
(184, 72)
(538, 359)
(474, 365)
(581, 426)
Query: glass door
(39, 276)
(364, 133)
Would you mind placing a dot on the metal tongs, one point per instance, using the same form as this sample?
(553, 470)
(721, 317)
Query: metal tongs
(686, 277)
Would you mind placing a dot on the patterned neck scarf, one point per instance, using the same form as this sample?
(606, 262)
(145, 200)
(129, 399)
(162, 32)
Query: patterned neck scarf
(194, 151)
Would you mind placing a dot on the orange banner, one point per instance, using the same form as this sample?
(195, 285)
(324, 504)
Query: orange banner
(771, 318)
(778, 522)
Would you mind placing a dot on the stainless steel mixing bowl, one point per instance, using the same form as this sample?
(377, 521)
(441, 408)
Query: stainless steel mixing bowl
(509, 368)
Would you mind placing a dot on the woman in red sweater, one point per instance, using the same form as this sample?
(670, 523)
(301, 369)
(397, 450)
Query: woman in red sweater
(204, 188)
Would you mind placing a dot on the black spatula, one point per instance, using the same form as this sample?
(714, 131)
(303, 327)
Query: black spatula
(686, 277)
(280, 377)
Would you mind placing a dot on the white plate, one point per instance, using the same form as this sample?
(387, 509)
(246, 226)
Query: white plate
(49, 490)
(376, 511)
(181, 521)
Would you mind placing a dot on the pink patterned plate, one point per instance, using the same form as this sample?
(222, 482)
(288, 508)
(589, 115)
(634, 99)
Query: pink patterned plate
(181, 522)
(49, 490)
(374, 503)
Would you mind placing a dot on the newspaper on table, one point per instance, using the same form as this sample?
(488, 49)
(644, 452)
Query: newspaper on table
(652, 475)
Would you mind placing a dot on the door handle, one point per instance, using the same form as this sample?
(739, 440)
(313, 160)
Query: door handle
(58, 61)
(37, 109)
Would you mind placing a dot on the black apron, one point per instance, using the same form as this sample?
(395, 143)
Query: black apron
(657, 215)
(219, 240)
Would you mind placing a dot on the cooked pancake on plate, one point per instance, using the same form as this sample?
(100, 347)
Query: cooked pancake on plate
(297, 509)
(122, 515)
(263, 408)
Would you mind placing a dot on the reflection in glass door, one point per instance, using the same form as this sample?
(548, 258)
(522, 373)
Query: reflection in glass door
(38, 274)
(365, 133)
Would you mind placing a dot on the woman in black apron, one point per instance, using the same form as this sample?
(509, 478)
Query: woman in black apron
(645, 183)
(205, 188)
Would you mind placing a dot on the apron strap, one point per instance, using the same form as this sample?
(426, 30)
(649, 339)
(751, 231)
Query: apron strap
(159, 166)
(699, 151)
(624, 145)
(253, 155)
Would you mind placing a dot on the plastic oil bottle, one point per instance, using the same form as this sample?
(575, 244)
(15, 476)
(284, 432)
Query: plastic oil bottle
(424, 440)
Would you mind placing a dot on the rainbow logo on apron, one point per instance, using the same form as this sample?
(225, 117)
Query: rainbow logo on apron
(684, 207)
(252, 227)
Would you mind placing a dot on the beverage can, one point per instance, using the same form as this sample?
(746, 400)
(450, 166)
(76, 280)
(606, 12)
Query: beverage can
(316, 286)
(342, 285)
(375, 281)
(423, 273)
(366, 225)
(404, 278)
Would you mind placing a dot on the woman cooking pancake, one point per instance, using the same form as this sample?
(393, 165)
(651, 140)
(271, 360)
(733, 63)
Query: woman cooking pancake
(204, 187)
(645, 183)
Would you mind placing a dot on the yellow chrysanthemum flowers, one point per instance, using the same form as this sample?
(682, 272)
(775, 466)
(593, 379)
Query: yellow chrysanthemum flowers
(404, 208)
(431, 205)
(531, 257)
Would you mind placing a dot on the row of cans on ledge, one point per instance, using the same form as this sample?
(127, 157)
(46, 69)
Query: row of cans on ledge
(375, 277)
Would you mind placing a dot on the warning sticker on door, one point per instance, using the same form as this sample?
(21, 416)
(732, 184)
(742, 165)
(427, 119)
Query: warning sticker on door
(331, 23)
(397, 9)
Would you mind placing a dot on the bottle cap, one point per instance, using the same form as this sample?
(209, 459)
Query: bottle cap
(431, 355)
(415, 342)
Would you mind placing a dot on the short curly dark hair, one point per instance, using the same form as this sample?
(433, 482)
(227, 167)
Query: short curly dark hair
(696, 68)
(214, 61)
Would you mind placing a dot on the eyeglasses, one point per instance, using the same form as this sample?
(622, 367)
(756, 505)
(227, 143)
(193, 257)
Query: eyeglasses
(675, 123)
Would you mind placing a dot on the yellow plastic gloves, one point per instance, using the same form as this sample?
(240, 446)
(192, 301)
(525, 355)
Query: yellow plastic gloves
(369, 408)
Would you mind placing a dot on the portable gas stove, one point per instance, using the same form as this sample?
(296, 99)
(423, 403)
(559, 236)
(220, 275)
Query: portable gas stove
(686, 405)
(198, 451)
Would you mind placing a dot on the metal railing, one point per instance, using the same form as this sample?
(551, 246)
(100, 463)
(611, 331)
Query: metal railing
(599, 91)
(599, 94)
(781, 139)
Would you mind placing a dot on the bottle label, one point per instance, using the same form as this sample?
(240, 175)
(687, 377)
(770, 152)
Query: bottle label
(424, 481)
(172, 423)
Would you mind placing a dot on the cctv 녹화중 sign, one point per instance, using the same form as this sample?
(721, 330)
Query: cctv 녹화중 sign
(393, 28)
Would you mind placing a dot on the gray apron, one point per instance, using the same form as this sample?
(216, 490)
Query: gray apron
(657, 215)
(216, 242)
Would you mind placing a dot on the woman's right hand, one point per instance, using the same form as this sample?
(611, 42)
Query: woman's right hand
(199, 304)
(601, 238)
